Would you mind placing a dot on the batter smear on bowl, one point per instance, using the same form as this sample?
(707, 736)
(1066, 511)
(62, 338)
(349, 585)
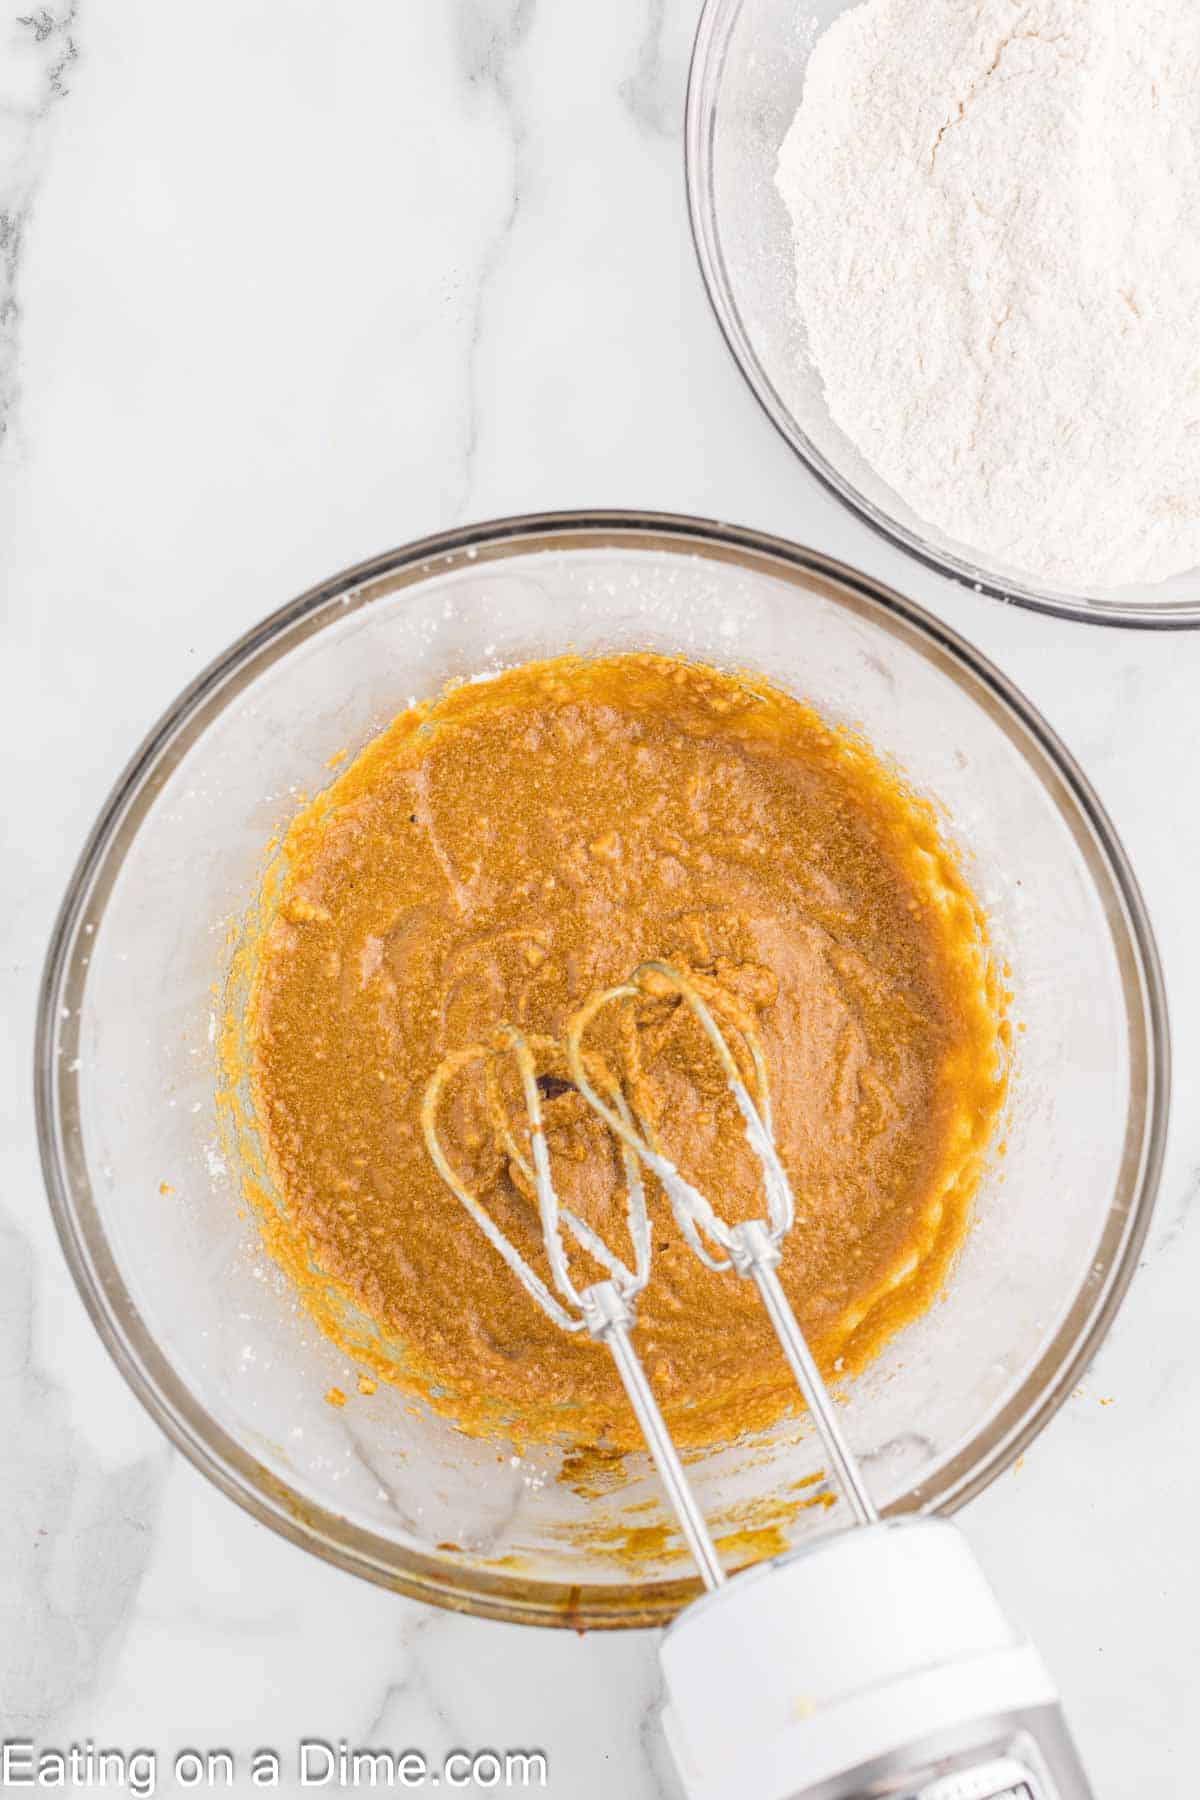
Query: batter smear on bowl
(499, 854)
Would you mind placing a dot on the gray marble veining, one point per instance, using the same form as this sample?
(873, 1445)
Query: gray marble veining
(41, 47)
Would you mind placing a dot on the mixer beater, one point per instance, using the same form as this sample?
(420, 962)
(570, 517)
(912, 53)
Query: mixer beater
(875, 1664)
(606, 1307)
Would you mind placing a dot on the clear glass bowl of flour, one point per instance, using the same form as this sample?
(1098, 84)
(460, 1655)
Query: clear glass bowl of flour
(147, 1194)
(747, 76)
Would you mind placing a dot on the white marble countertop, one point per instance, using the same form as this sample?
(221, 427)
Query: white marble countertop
(281, 286)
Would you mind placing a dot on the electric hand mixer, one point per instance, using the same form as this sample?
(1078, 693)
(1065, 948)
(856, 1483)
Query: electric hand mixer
(914, 1686)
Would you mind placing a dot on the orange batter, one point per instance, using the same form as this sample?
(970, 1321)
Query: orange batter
(500, 853)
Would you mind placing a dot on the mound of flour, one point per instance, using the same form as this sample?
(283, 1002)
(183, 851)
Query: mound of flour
(996, 213)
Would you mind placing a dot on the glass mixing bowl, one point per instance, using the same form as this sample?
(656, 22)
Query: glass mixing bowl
(148, 1207)
(747, 76)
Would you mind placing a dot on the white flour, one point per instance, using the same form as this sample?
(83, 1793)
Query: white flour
(996, 207)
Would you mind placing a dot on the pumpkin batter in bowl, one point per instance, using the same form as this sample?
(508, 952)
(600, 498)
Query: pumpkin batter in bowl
(501, 853)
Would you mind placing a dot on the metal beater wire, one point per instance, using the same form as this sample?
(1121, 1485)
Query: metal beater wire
(693, 1211)
(753, 1248)
(605, 1308)
(552, 1214)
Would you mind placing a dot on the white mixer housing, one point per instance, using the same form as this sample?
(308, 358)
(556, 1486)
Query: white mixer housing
(876, 1662)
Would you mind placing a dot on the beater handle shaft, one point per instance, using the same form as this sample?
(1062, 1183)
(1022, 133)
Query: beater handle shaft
(608, 1318)
(755, 1255)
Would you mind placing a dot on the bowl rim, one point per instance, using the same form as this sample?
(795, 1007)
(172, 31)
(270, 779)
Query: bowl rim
(441, 1579)
(705, 68)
